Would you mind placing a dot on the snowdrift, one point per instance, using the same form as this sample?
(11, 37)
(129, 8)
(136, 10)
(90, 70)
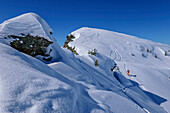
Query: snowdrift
(33, 25)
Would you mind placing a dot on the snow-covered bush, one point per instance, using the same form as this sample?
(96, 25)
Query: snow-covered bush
(69, 39)
(143, 55)
(51, 32)
(92, 52)
(72, 49)
(31, 45)
(132, 54)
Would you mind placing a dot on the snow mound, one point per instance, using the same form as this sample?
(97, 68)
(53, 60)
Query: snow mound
(33, 25)
(29, 23)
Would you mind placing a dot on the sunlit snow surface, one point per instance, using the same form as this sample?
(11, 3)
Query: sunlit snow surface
(73, 84)
(151, 73)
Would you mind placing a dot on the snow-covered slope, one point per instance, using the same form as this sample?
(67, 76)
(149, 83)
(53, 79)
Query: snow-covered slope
(120, 47)
(72, 83)
(145, 59)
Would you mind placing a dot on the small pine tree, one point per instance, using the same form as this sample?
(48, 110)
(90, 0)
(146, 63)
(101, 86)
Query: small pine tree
(117, 68)
(92, 52)
(74, 48)
(69, 38)
(165, 53)
(143, 55)
(72, 36)
(51, 32)
(95, 50)
(147, 50)
(89, 52)
(96, 63)
(156, 56)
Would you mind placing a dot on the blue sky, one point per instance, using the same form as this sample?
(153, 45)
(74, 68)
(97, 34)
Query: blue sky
(148, 19)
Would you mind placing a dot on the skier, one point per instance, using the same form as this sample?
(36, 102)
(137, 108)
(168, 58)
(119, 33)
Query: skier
(128, 72)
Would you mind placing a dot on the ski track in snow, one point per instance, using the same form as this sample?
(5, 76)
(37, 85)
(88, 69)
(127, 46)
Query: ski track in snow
(116, 56)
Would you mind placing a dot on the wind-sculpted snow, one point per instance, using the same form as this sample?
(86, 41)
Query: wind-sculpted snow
(72, 83)
(28, 85)
(109, 85)
(29, 24)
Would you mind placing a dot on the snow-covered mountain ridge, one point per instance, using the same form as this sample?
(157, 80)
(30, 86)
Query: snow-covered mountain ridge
(120, 47)
(72, 83)
(146, 59)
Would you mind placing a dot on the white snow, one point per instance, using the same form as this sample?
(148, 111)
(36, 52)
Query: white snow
(151, 72)
(72, 83)
(29, 23)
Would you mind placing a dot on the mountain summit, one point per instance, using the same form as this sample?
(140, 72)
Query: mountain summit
(120, 47)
